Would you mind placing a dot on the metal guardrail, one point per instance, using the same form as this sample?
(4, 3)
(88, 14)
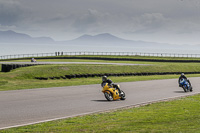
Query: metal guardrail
(98, 53)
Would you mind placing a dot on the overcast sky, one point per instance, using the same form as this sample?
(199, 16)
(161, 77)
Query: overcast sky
(168, 21)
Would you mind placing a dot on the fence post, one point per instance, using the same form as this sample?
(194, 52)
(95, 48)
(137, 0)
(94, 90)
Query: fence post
(102, 53)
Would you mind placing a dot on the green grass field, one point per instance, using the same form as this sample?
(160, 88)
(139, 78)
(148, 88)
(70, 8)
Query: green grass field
(24, 78)
(181, 115)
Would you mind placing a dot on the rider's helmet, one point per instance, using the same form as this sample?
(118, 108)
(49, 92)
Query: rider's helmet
(104, 78)
(182, 74)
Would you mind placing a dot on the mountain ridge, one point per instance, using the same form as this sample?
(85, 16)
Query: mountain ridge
(99, 39)
(14, 37)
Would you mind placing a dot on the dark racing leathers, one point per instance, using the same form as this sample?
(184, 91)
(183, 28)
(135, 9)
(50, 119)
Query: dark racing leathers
(183, 77)
(111, 83)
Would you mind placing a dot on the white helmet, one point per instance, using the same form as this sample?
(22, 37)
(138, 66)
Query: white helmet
(104, 78)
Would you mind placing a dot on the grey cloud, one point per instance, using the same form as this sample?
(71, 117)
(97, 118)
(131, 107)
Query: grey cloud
(150, 22)
(10, 12)
(64, 17)
(91, 19)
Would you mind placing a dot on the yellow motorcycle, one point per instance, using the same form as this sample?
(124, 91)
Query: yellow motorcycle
(111, 93)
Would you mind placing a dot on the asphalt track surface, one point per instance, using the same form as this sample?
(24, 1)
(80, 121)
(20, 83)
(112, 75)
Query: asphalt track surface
(24, 107)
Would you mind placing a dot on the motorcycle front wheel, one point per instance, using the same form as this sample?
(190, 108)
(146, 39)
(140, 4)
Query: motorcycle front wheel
(191, 89)
(184, 88)
(108, 96)
(123, 96)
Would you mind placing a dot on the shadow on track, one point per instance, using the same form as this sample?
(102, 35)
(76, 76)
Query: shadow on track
(100, 100)
(179, 92)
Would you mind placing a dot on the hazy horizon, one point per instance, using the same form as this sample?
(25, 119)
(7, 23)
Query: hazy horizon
(21, 48)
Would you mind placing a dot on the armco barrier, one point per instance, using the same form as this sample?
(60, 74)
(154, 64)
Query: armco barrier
(72, 76)
(9, 67)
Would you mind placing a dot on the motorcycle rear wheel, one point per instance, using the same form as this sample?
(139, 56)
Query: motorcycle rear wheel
(108, 96)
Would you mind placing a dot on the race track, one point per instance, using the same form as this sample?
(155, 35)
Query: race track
(99, 63)
(23, 107)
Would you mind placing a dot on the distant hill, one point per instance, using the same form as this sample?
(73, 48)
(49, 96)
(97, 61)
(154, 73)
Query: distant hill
(14, 37)
(108, 39)
(100, 39)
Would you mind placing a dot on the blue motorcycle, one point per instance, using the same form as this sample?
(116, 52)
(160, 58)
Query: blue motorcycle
(185, 84)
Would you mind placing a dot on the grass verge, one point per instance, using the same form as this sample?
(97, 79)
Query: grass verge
(24, 78)
(18, 84)
(181, 115)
